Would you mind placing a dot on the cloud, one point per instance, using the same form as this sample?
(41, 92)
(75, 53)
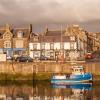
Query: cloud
(49, 11)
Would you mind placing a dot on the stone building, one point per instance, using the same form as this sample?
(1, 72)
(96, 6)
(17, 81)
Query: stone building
(14, 41)
(97, 41)
(93, 42)
(81, 38)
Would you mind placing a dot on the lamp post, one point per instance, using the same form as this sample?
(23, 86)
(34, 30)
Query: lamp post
(56, 55)
(12, 53)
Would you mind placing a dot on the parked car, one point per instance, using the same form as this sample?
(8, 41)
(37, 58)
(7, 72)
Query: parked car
(43, 58)
(89, 56)
(46, 58)
(24, 59)
(95, 57)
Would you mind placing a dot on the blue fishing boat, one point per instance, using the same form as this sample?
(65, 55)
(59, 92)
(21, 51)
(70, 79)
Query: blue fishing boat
(78, 75)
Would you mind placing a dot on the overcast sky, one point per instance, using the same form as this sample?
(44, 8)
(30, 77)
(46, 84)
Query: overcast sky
(51, 12)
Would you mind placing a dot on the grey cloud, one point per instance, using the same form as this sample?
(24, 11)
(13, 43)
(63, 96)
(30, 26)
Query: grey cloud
(39, 12)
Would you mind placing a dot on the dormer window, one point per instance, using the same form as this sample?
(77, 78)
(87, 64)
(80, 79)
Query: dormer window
(35, 38)
(20, 34)
(7, 36)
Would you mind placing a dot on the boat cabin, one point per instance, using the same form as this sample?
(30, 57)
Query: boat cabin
(59, 76)
(77, 70)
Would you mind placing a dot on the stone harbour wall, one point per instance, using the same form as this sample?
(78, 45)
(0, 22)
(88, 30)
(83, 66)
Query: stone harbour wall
(45, 67)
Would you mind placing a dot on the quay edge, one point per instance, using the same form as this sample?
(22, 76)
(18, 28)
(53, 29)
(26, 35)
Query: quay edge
(42, 70)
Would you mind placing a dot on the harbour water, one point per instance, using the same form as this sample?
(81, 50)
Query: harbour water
(43, 90)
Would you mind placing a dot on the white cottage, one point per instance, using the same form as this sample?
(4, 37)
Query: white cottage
(51, 44)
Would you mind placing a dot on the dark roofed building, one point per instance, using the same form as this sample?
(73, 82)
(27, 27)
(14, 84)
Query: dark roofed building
(51, 42)
(72, 40)
(56, 36)
(54, 33)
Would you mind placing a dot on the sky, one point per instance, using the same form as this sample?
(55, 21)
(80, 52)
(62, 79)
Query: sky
(51, 13)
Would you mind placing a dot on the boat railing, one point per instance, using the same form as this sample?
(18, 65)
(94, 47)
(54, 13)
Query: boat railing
(60, 76)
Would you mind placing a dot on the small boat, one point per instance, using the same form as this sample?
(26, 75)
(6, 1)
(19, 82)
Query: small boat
(78, 75)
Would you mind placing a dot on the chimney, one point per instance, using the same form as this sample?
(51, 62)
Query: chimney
(7, 27)
(46, 31)
(30, 28)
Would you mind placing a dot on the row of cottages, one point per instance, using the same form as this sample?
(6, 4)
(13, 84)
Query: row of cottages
(14, 41)
(68, 43)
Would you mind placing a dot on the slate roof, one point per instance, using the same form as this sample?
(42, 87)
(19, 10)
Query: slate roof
(54, 33)
(14, 31)
(55, 39)
(25, 32)
(2, 31)
(51, 36)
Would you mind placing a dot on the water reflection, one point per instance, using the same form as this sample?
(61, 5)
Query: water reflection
(78, 91)
(63, 92)
(46, 91)
(12, 91)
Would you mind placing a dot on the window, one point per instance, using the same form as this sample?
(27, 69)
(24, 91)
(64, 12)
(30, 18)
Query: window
(43, 53)
(34, 46)
(51, 46)
(7, 44)
(72, 38)
(51, 54)
(19, 43)
(71, 45)
(18, 52)
(62, 45)
(35, 39)
(20, 34)
(42, 45)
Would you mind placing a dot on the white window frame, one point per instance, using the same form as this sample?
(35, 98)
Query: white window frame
(7, 44)
(42, 46)
(51, 46)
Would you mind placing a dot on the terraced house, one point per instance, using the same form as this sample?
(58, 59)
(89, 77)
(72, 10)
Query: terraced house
(67, 43)
(61, 43)
(14, 41)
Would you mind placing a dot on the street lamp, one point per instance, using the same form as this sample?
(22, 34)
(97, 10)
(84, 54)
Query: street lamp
(56, 55)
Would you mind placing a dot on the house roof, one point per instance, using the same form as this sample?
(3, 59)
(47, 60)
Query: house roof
(51, 36)
(2, 31)
(14, 31)
(50, 39)
(23, 30)
(54, 33)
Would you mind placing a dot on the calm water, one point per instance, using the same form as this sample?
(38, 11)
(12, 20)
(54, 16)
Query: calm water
(45, 91)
